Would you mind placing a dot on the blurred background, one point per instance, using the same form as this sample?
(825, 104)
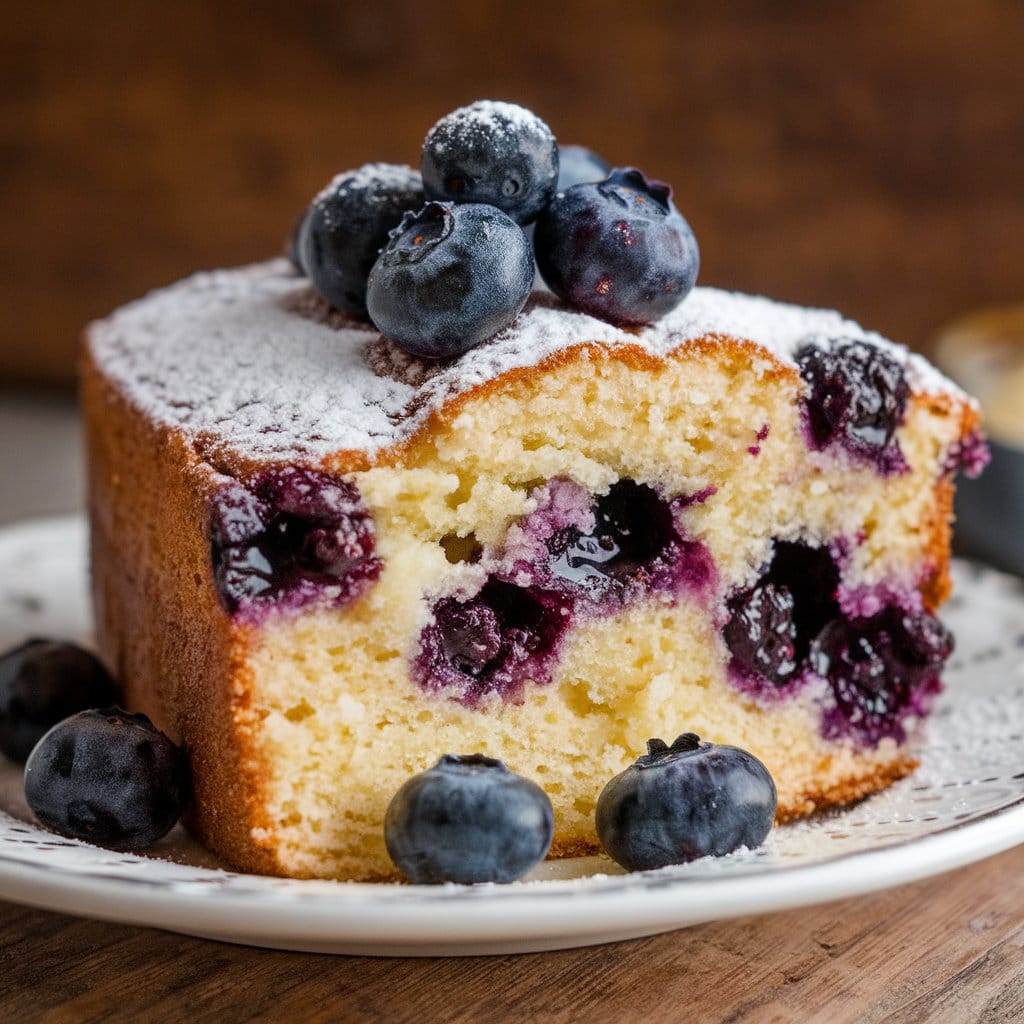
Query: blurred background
(868, 156)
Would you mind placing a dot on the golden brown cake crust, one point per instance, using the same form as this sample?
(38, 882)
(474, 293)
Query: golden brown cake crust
(158, 622)
(847, 790)
(937, 586)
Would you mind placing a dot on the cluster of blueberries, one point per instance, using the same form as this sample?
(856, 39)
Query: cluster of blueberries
(92, 771)
(442, 260)
(469, 819)
(881, 667)
(113, 779)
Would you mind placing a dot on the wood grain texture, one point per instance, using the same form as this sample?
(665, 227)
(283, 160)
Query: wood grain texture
(867, 156)
(950, 949)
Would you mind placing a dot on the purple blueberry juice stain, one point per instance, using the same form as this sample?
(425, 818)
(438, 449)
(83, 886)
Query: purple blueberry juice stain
(877, 651)
(288, 537)
(968, 456)
(574, 557)
(697, 498)
(772, 624)
(761, 437)
(881, 671)
(856, 399)
(864, 602)
(492, 643)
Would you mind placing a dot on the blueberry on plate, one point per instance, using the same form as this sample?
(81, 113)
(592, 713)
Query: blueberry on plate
(451, 277)
(347, 225)
(468, 819)
(495, 153)
(109, 778)
(43, 681)
(677, 803)
(578, 165)
(618, 249)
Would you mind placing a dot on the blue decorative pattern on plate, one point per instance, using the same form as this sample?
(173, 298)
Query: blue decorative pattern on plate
(965, 802)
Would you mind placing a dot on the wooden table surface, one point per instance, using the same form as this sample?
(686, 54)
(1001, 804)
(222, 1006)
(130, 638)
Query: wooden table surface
(947, 949)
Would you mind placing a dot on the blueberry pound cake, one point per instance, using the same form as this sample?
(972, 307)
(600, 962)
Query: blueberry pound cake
(321, 563)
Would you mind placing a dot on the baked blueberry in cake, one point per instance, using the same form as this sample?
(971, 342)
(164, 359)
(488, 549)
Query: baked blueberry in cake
(324, 558)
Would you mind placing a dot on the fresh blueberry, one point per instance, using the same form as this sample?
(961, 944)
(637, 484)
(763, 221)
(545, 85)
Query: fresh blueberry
(634, 535)
(41, 683)
(109, 778)
(881, 669)
(772, 624)
(468, 819)
(347, 225)
(578, 165)
(288, 537)
(496, 153)
(856, 398)
(677, 803)
(451, 277)
(618, 250)
(490, 643)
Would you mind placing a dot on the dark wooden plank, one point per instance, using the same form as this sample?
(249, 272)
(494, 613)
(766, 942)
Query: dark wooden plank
(948, 948)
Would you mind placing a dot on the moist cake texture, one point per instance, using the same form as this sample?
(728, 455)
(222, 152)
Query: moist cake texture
(321, 563)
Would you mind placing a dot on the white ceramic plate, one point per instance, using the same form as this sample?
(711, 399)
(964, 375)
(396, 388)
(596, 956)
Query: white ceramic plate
(965, 802)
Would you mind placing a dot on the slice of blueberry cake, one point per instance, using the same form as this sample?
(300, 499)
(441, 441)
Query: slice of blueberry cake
(322, 562)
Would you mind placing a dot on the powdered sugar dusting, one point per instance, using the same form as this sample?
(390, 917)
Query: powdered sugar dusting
(380, 179)
(248, 356)
(486, 118)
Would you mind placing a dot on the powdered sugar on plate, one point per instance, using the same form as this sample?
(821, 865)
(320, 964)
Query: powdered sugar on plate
(250, 357)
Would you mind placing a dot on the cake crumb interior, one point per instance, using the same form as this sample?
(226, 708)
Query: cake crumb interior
(343, 721)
